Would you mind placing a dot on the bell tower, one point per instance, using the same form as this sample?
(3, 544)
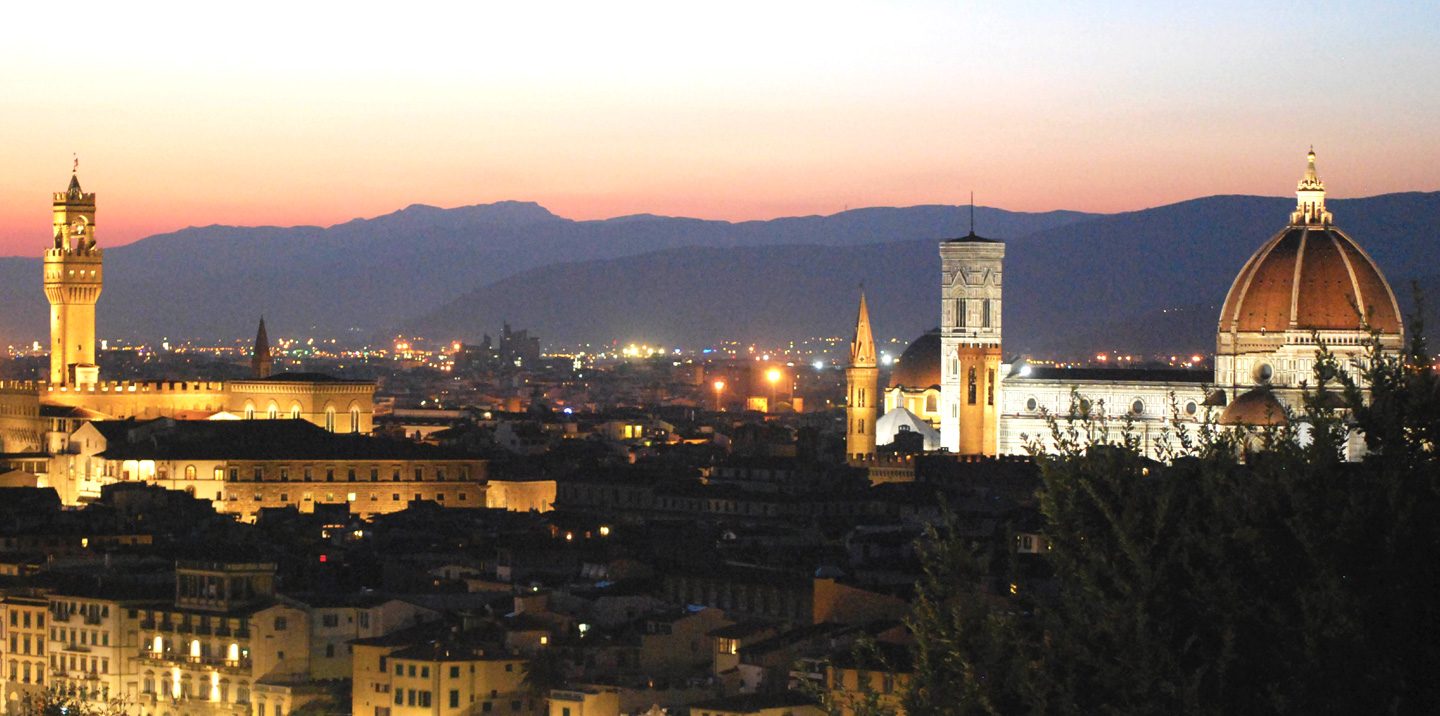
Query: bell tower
(260, 355)
(862, 382)
(970, 292)
(73, 278)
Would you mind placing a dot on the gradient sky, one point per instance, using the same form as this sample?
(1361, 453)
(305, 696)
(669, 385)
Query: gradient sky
(298, 113)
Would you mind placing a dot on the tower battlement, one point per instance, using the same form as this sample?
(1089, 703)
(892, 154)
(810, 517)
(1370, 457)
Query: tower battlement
(139, 386)
(95, 254)
(65, 197)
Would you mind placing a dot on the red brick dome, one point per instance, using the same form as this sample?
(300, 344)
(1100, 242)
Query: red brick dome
(1309, 278)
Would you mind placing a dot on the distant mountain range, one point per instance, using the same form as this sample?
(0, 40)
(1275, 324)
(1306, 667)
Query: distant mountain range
(1141, 281)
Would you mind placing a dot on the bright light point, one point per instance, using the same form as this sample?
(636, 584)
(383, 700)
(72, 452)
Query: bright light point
(1024, 370)
(819, 365)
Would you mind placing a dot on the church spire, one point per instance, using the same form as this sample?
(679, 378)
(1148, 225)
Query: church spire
(862, 350)
(260, 359)
(1310, 198)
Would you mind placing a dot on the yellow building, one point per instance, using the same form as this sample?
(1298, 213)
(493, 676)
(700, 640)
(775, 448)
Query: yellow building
(862, 680)
(395, 676)
(248, 465)
(23, 624)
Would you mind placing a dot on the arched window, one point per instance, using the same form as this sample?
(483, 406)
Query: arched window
(189, 472)
(354, 419)
(330, 418)
(249, 411)
(273, 412)
(932, 403)
(242, 693)
(972, 392)
(295, 412)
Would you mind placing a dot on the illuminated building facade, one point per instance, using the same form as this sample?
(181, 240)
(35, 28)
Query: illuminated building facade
(41, 416)
(970, 312)
(1308, 279)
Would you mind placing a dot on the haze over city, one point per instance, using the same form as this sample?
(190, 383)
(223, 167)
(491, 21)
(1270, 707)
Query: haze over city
(315, 114)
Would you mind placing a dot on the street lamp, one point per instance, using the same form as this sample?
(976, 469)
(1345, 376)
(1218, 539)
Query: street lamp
(719, 386)
(774, 377)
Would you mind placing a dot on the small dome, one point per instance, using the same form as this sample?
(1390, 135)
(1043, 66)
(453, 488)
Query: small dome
(901, 420)
(919, 366)
(1307, 278)
(1257, 406)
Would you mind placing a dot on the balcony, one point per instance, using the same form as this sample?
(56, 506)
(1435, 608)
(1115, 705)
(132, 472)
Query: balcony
(217, 662)
(60, 616)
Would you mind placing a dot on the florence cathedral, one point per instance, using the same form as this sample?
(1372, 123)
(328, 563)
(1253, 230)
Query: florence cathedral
(1311, 280)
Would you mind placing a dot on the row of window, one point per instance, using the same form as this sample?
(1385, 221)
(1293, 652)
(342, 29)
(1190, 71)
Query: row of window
(22, 672)
(259, 474)
(23, 616)
(1137, 407)
(19, 645)
(352, 497)
(412, 697)
(81, 637)
(95, 665)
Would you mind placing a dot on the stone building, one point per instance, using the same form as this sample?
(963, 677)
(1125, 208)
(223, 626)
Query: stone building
(1308, 280)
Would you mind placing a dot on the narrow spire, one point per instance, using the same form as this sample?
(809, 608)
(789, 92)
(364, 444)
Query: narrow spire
(260, 358)
(862, 350)
(972, 212)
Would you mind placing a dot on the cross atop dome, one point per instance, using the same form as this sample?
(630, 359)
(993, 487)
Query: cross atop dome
(1310, 198)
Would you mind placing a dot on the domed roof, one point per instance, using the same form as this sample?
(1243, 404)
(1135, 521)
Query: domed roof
(1307, 278)
(901, 420)
(1257, 406)
(1310, 276)
(919, 366)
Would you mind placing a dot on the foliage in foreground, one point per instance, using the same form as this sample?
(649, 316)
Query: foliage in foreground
(1247, 575)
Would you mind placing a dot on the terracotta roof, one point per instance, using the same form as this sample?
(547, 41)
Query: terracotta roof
(1307, 278)
(1257, 406)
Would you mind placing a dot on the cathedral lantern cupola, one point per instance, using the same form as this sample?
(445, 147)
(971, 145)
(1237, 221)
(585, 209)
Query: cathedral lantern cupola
(1310, 199)
(73, 279)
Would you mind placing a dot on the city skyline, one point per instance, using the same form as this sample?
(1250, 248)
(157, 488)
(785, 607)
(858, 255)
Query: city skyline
(188, 118)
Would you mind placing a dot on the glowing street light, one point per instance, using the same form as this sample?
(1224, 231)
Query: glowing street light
(719, 386)
(774, 377)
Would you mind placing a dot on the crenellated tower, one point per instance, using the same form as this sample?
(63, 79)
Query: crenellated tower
(862, 381)
(971, 269)
(73, 278)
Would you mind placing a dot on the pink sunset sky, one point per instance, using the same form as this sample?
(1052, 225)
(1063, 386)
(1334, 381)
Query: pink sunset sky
(298, 113)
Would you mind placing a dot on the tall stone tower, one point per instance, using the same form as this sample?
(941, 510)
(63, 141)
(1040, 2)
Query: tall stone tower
(260, 356)
(862, 381)
(970, 344)
(73, 277)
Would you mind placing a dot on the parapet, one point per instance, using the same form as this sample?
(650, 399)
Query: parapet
(127, 386)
